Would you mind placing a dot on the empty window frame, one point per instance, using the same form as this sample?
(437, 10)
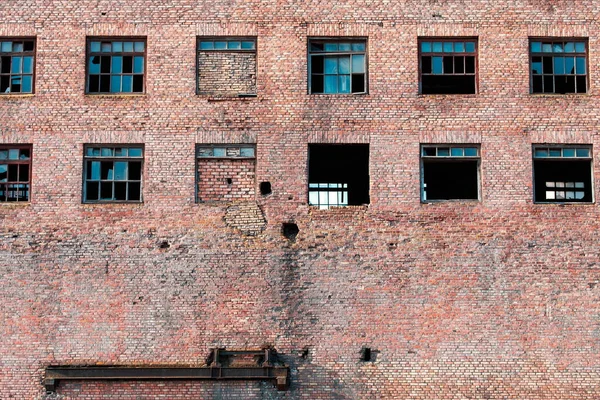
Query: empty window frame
(17, 65)
(113, 173)
(15, 173)
(225, 172)
(449, 172)
(337, 66)
(338, 175)
(226, 66)
(115, 65)
(558, 65)
(562, 174)
(448, 66)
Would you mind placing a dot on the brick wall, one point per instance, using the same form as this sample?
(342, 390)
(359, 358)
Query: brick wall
(226, 180)
(496, 299)
(227, 74)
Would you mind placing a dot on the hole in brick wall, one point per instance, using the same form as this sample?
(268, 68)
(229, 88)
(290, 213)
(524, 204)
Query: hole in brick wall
(290, 231)
(367, 354)
(229, 181)
(304, 353)
(265, 188)
(164, 245)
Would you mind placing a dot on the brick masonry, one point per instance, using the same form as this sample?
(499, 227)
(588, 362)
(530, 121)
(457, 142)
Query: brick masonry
(226, 73)
(497, 299)
(226, 180)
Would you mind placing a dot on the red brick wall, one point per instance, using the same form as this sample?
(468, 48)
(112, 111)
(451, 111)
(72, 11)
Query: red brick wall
(214, 176)
(494, 299)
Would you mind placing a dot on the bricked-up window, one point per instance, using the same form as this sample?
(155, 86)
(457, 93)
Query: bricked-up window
(449, 172)
(17, 58)
(337, 66)
(15, 173)
(225, 172)
(562, 174)
(558, 66)
(115, 65)
(448, 66)
(338, 175)
(113, 173)
(227, 66)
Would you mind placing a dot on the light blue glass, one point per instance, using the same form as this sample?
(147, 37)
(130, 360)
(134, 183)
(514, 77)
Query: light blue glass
(331, 46)
(331, 65)
(94, 65)
(219, 152)
(443, 151)
(536, 47)
(3, 154)
(437, 65)
(471, 151)
(426, 47)
(358, 63)
(437, 47)
(207, 46)
(448, 47)
(17, 47)
(27, 83)
(570, 65)
(580, 47)
(4, 171)
(557, 47)
(106, 47)
(121, 152)
(127, 84)
(27, 65)
(541, 153)
(13, 154)
(95, 170)
(247, 151)
(120, 170)
(344, 84)
(580, 65)
(234, 45)
(331, 84)
(459, 47)
(116, 65)
(115, 83)
(247, 45)
(95, 46)
(470, 47)
(344, 65)
(358, 47)
(554, 152)
(128, 47)
(135, 152)
(139, 46)
(345, 47)
(7, 47)
(15, 66)
(536, 66)
(117, 47)
(220, 45)
(559, 65)
(138, 64)
(107, 152)
(583, 152)
(457, 152)
(570, 47)
(568, 152)
(547, 47)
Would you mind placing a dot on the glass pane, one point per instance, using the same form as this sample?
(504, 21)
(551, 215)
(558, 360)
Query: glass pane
(554, 152)
(219, 152)
(459, 47)
(345, 47)
(426, 47)
(568, 152)
(25, 154)
(344, 65)
(358, 63)
(536, 47)
(580, 47)
(27, 84)
(331, 65)
(117, 47)
(18, 47)
(121, 152)
(3, 173)
(471, 151)
(139, 46)
(106, 170)
(570, 47)
(7, 46)
(448, 47)
(220, 45)
(316, 46)
(247, 152)
(443, 151)
(247, 45)
(557, 47)
(135, 152)
(570, 65)
(344, 84)
(120, 170)
(437, 47)
(536, 65)
(437, 65)
(580, 67)
(331, 84)
(106, 47)
(470, 47)
(16, 65)
(541, 153)
(107, 152)
(94, 65)
(358, 47)
(128, 47)
(207, 46)
(457, 152)
(28, 65)
(559, 65)
(547, 47)
(95, 46)
(582, 152)
(138, 65)
(3, 154)
(234, 45)
(331, 46)
(117, 64)
(93, 171)
(13, 154)
(115, 83)
(127, 84)
(313, 198)
(15, 84)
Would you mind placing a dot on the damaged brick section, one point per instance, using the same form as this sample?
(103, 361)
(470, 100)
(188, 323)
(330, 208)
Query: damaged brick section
(247, 217)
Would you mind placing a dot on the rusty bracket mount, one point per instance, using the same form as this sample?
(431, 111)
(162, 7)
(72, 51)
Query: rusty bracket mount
(279, 375)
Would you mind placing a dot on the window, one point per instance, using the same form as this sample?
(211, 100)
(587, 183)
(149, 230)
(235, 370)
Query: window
(113, 173)
(16, 65)
(116, 66)
(225, 172)
(337, 66)
(562, 174)
(449, 172)
(338, 175)
(227, 66)
(558, 66)
(448, 66)
(15, 173)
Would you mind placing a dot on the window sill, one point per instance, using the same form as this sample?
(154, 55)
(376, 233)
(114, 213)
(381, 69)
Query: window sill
(8, 96)
(558, 95)
(113, 204)
(338, 94)
(565, 203)
(213, 98)
(15, 204)
(116, 95)
(362, 207)
(444, 95)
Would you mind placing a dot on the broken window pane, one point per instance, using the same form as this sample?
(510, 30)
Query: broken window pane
(337, 67)
(449, 173)
(15, 174)
(448, 67)
(109, 71)
(561, 64)
(16, 66)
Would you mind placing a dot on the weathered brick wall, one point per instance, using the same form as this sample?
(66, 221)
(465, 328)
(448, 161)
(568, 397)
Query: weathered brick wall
(494, 299)
(227, 74)
(226, 180)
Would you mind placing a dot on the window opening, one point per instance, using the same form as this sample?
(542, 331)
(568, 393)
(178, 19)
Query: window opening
(450, 172)
(558, 66)
(448, 66)
(116, 65)
(562, 174)
(338, 175)
(337, 66)
(17, 57)
(113, 173)
(15, 173)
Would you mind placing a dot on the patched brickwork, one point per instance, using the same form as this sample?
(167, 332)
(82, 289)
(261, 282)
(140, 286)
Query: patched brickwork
(247, 217)
(225, 180)
(226, 73)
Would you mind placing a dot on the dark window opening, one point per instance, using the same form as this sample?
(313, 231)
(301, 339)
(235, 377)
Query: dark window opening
(265, 188)
(15, 173)
(338, 174)
(450, 173)
(290, 231)
(558, 66)
(368, 355)
(17, 57)
(448, 66)
(116, 66)
(337, 66)
(562, 174)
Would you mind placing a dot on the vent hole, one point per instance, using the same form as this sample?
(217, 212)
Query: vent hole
(265, 188)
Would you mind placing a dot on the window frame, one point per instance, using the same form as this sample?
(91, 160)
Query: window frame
(33, 54)
(446, 39)
(552, 40)
(432, 159)
(561, 147)
(112, 39)
(29, 161)
(112, 158)
(338, 39)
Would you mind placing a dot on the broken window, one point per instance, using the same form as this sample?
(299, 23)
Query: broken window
(448, 66)
(338, 175)
(558, 66)
(116, 66)
(227, 66)
(113, 173)
(15, 173)
(226, 172)
(17, 58)
(337, 66)
(562, 174)
(449, 172)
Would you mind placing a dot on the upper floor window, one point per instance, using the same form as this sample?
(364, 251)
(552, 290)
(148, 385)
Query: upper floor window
(15, 173)
(450, 172)
(227, 66)
(113, 173)
(337, 66)
(558, 66)
(115, 65)
(17, 58)
(448, 66)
